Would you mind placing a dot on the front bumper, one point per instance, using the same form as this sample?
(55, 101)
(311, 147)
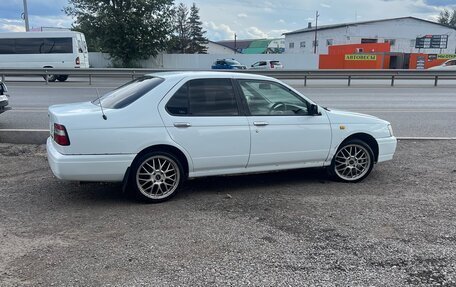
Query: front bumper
(4, 103)
(88, 167)
(386, 148)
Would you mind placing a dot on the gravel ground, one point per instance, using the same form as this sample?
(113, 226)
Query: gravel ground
(294, 228)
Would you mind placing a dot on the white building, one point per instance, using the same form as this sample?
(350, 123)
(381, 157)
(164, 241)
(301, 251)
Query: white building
(400, 32)
(217, 48)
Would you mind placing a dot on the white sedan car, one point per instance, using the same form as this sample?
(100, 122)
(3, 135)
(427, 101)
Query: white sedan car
(4, 98)
(448, 65)
(267, 65)
(158, 130)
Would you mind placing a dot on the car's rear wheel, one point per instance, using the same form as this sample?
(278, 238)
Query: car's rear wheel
(62, 78)
(156, 176)
(352, 162)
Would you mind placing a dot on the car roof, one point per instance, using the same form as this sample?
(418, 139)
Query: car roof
(208, 74)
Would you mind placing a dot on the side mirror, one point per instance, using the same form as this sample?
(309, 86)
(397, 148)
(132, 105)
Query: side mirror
(313, 110)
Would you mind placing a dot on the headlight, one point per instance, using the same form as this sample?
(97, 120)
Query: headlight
(390, 128)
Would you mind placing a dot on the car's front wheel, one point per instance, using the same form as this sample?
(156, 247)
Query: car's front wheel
(156, 176)
(50, 78)
(352, 162)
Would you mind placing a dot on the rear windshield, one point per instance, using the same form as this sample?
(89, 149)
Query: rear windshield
(128, 93)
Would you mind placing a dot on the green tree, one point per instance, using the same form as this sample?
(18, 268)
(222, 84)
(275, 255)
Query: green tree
(447, 17)
(181, 29)
(129, 30)
(188, 31)
(197, 40)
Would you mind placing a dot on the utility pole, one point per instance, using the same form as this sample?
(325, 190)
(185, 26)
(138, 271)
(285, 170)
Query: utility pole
(25, 16)
(316, 27)
(235, 44)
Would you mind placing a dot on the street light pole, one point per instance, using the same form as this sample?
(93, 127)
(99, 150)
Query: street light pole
(27, 27)
(235, 44)
(316, 27)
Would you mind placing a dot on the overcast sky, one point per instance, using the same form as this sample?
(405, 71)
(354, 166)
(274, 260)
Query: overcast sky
(248, 18)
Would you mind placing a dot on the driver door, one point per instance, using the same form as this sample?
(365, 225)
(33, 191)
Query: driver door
(282, 131)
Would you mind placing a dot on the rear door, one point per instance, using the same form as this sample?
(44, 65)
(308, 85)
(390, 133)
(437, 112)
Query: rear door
(203, 116)
(82, 51)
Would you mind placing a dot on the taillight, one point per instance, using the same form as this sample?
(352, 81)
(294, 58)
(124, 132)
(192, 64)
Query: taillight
(78, 61)
(61, 135)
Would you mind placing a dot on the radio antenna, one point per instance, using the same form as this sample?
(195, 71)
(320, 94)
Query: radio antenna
(101, 106)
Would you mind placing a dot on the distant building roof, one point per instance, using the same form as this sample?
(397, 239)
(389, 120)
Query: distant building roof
(240, 44)
(220, 44)
(325, 27)
(254, 50)
(257, 47)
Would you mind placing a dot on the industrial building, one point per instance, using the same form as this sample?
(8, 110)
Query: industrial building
(400, 33)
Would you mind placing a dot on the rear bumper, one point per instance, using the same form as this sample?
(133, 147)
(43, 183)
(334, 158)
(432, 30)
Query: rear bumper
(386, 148)
(88, 167)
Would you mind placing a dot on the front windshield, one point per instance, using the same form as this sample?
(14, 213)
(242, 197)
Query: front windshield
(128, 93)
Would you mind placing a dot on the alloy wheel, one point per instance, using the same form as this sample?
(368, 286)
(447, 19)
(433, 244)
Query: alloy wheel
(157, 177)
(352, 162)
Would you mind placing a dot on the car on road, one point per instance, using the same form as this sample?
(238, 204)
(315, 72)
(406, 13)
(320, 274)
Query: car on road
(161, 129)
(448, 65)
(227, 64)
(4, 98)
(267, 65)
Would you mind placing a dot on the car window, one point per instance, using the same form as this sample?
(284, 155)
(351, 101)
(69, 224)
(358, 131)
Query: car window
(272, 99)
(262, 63)
(232, 62)
(128, 93)
(204, 97)
(275, 63)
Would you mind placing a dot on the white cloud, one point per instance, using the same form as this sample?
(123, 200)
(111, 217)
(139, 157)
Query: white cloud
(254, 32)
(325, 5)
(11, 21)
(242, 15)
(281, 21)
(12, 28)
(218, 32)
(14, 25)
(51, 21)
(277, 33)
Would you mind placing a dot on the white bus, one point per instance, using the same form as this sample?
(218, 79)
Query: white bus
(51, 49)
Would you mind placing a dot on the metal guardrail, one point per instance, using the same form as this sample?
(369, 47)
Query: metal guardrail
(304, 75)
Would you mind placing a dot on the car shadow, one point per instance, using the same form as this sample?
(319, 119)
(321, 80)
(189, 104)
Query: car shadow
(111, 193)
(270, 180)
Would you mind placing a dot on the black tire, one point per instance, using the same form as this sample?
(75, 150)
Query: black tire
(152, 179)
(62, 78)
(51, 78)
(352, 162)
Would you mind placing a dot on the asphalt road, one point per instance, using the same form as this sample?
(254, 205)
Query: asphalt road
(415, 109)
(293, 228)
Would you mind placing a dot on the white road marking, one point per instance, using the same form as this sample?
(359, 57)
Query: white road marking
(24, 130)
(426, 138)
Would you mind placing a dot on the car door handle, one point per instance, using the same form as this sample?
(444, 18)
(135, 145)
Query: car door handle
(259, 124)
(182, 125)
